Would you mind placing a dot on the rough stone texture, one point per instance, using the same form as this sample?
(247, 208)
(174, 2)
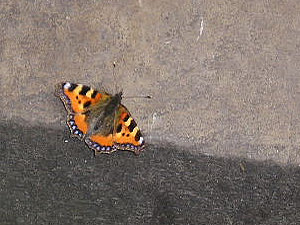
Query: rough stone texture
(47, 181)
(224, 75)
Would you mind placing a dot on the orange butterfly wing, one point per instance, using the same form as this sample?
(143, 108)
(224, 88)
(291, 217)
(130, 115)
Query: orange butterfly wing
(126, 135)
(77, 99)
(101, 143)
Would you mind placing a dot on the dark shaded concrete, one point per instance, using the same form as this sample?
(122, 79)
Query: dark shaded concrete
(46, 180)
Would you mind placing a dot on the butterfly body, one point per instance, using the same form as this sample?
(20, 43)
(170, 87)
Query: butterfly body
(99, 119)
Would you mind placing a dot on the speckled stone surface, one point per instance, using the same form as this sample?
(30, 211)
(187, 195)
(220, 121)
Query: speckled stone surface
(53, 180)
(224, 76)
(222, 128)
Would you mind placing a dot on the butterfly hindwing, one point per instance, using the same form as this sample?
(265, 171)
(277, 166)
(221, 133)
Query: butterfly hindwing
(126, 135)
(100, 143)
(77, 124)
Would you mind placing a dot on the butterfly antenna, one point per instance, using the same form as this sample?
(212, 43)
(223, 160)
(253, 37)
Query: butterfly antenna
(114, 76)
(143, 96)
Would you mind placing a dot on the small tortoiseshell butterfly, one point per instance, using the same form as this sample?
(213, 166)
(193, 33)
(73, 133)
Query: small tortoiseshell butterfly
(100, 119)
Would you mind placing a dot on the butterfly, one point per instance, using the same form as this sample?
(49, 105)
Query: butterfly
(100, 119)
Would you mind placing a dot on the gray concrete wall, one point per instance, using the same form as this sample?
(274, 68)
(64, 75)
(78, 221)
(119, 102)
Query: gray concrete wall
(224, 75)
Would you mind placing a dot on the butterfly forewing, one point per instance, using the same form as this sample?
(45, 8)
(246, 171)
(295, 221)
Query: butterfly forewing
(127, 135)
(77, 99)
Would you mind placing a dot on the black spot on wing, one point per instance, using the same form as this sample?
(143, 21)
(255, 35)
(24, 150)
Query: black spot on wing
(94, 94)
(72, 87)
(119, 128)
(132, 125)
(138, 135)
(126, 118)
(84, 90)
(87, 104)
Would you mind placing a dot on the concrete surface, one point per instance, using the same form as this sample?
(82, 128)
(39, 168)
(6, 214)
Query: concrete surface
(47, 181)
(222, 128)
(224, 75)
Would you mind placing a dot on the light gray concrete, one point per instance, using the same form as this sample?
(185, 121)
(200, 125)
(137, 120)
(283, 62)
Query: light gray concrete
(224, 75)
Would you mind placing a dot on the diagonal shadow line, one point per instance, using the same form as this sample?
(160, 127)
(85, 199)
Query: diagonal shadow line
(45, 180)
